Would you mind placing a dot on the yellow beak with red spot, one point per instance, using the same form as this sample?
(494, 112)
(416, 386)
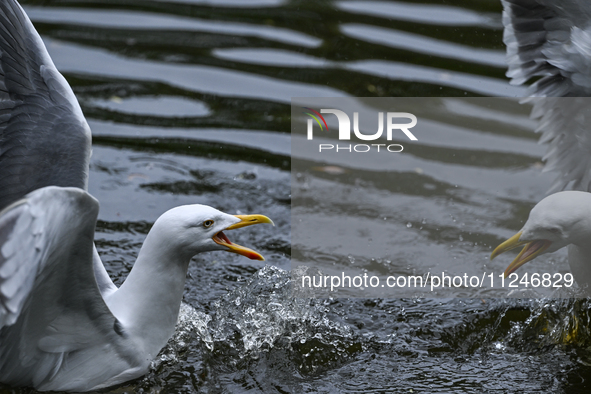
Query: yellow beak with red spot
(531, 250)
(245, 220)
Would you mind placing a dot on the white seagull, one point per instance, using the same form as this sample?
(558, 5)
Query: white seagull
(64, 325)
(551, 41)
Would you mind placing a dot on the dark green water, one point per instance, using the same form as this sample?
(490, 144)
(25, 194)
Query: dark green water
(189, 102)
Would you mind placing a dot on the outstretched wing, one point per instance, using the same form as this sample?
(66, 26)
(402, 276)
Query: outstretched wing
(52, 315)
(44, 138)
(551, 41)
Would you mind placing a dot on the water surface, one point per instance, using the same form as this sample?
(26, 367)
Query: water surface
(189, 102)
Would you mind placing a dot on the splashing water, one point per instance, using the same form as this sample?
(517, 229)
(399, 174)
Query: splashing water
(556, 322)
(264, 314)
(261, 322)
(190, 323)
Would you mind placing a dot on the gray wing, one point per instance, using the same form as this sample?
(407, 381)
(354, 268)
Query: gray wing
(564, 124)
(551, 41)
(53, 318)
(44, 138)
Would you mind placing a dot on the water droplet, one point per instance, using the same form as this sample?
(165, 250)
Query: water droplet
(409, 225)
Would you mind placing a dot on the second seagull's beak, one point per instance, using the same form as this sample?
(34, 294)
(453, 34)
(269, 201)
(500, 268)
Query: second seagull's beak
(531, 250)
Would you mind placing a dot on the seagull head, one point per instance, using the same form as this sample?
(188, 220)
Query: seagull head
(192, 229)
(558, 220)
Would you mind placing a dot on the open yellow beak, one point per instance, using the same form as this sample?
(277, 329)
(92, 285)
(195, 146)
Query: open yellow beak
(245, 220)
(531, 250)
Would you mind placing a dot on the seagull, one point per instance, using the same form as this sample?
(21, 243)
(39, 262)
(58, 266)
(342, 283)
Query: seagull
(560, 220)
(64, 325)
(550, 42)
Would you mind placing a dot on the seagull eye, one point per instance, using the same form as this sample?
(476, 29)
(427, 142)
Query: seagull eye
(208, 223)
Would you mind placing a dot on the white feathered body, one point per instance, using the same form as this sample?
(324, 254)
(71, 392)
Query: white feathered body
(58, 330)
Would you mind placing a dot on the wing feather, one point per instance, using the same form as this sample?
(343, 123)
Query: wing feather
(52, 314)
(548, 39)
(551, 41)
(44, 138)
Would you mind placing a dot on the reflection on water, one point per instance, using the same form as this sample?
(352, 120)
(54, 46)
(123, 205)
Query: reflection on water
(189, 101)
